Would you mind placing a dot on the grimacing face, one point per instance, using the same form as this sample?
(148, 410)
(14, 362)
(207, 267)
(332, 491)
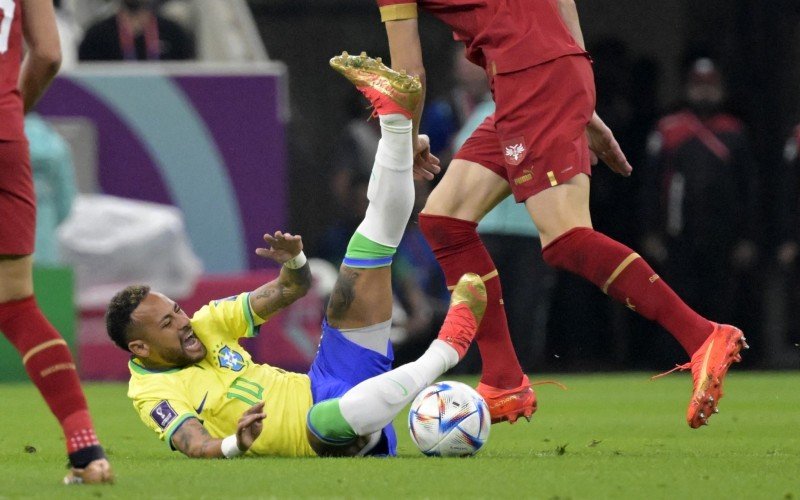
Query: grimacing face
(163, 335)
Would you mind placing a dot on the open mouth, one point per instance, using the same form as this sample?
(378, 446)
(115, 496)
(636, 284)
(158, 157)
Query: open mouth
(190, 341)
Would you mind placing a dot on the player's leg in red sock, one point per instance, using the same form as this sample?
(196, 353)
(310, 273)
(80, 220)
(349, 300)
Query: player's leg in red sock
(459, 250)
(562, 215)
(49, 364)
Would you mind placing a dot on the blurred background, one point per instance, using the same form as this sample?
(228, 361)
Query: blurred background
(180, 131)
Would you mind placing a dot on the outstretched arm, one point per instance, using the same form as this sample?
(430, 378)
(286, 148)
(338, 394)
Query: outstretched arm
(293, 281)
(43, 59)
(194, 441)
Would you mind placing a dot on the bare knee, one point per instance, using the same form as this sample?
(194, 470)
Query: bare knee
(16, 277)
(467, 192)
(560, 209)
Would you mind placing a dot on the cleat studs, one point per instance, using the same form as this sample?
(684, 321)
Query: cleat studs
(716, 410)
(363, 54)
(702, 416)
(378, 59)
(345, 54)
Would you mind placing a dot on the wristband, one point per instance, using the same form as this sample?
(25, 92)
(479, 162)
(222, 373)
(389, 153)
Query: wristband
(230, 447)
(297, 262)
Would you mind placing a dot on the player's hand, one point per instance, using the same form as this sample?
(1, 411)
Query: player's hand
(282, 247)
(250, 426)
(602, 145)
(97, 472)
(426, 164)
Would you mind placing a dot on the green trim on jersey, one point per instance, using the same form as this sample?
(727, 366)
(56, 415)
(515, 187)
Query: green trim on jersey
(326, 421)
(146, 371)
(252, 329)
(175, 426)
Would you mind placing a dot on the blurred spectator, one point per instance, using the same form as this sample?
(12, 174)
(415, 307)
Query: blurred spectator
(350, 164)
(699, 200)
(789, 203)
(443, 118)
(69, 33)
(782, 294)
(136, 32)
(54, 180)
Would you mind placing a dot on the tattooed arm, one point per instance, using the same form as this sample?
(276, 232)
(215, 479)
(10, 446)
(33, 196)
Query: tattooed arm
(194, 441)
(290, 285)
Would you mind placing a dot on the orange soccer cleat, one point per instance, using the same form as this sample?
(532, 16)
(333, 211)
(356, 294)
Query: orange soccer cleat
(709, 365)
(509, 404)
(467, 305)
(389, 92)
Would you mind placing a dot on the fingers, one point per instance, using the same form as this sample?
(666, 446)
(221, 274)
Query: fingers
(249, 421)
(421, 173)
(256, 408)
(280, 236)
(426, 166)
(253, 414)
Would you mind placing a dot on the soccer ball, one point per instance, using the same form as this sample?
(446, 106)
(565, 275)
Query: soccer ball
(449, 419)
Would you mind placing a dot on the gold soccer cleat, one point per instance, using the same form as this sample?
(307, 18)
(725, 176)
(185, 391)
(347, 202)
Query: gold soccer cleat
(389, 92)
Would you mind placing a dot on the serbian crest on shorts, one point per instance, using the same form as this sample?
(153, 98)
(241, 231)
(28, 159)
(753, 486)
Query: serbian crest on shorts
(514, 150)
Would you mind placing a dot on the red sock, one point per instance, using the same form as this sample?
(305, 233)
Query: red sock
(625, 276)
(459, 250)
(49, 364)
(458, 329)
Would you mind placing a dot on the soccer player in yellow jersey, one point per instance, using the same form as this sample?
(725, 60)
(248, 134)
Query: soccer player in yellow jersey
(193, 383)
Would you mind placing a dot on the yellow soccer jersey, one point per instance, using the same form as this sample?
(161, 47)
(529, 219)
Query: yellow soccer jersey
(218, 389)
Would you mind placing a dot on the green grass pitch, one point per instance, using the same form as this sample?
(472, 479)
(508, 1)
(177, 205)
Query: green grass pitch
(608, 436)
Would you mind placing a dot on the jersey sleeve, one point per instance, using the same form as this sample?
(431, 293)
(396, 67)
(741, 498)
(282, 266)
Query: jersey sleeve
(163, 409)
(397, 10)
(229, 319)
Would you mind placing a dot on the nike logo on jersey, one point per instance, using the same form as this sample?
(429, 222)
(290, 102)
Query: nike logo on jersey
(199, 409)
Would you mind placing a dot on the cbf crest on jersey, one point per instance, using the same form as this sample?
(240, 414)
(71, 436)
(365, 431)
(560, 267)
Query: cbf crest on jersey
(228, 358)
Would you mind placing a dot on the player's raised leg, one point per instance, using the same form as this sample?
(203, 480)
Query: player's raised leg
(355, 349)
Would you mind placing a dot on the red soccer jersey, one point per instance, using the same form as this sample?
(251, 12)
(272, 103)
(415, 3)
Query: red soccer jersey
(501, 36)
(11, 106)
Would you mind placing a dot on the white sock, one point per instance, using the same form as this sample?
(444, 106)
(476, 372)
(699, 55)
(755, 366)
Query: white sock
(391, 187)
(373, 404)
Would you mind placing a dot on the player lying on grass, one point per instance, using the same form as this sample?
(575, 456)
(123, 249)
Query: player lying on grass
(200, 391)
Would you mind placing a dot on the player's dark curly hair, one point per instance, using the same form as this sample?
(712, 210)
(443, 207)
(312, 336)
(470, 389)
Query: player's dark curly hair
(118, 314)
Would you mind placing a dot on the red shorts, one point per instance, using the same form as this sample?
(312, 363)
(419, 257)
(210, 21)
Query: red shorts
(536, 137)
(17, 199)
